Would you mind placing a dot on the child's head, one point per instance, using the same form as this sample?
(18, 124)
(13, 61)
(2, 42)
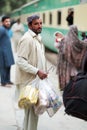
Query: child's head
(59, 35)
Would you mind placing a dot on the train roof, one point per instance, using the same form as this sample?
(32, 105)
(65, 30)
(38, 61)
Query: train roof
(30, 3)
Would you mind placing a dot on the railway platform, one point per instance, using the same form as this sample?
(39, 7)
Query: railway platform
(51, 57)
(11, 117)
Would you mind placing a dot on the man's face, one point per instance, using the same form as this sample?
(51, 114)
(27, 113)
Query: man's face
(36, 26)
(6, 23)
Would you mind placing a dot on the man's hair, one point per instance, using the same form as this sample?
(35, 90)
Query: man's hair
(31, 18)
(4, 18)
(18, 20)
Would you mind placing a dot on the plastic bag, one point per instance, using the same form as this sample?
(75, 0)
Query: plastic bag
(43, 101)
(28, 95)
(54, 102)
(48, 98)
(54, 108)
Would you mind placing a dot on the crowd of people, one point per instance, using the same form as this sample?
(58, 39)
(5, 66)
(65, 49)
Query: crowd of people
(31, 60)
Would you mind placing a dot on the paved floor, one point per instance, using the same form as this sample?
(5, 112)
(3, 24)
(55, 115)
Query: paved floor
(11, 118)
(7, 111)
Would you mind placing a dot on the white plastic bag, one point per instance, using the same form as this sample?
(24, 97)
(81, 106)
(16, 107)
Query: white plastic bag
(54, 108)
(29, 95)
(47, 98)
(43, 101)
(54, 102)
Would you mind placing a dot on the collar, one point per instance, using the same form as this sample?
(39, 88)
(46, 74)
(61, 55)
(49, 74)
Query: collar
(32, 33)
(38, 37)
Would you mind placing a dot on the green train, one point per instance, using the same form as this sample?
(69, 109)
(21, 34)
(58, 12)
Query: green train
(54, 14)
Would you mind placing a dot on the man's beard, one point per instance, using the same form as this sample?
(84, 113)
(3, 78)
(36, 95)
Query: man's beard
(7, 27)
(37, 31)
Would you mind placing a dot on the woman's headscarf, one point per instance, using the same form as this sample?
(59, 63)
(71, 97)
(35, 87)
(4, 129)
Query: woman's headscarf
(70, 56)
(74, 46)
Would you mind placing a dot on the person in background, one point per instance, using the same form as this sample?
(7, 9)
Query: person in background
(58, 36)
(84, 64)
(18, 31)
(12, 22)
(69, 18)
(6, 55)
(84, 36)
(30, 64)
(71, 54)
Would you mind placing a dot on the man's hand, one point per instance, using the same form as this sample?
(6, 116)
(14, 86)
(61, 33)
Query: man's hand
(42, 74)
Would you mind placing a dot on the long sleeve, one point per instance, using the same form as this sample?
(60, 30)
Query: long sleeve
(24, 65)
(2, 31)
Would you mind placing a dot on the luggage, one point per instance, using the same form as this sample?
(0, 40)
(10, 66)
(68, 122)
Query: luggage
(75, 96)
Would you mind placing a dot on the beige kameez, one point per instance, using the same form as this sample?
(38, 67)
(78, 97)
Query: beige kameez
(30, 59)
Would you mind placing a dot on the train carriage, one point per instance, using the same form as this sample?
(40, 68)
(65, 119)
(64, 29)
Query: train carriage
(54, 14)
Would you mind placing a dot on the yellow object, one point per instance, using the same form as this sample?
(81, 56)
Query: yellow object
(28, 97)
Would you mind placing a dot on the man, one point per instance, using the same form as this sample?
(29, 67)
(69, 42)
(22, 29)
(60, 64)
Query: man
(70, 18)
(6, 56)
(30, 63)
(18, 30)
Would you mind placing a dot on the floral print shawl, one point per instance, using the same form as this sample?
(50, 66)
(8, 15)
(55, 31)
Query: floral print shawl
(71, 53)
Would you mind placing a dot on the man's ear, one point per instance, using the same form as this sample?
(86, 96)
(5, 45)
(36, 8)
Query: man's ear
(29, 25)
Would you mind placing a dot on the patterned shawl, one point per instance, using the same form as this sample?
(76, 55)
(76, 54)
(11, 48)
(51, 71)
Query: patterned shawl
(73, 48)
(71, 53)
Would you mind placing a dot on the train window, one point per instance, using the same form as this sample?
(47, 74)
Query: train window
(50, 18)
(59, 17)
(43, 17)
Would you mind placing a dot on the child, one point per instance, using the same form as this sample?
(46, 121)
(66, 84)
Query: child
(58, 37)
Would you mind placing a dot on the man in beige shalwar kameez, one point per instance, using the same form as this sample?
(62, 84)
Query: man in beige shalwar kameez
(18, 31)
(30, 63)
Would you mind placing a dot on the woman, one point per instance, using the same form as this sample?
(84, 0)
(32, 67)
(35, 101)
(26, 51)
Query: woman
(71, 53)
